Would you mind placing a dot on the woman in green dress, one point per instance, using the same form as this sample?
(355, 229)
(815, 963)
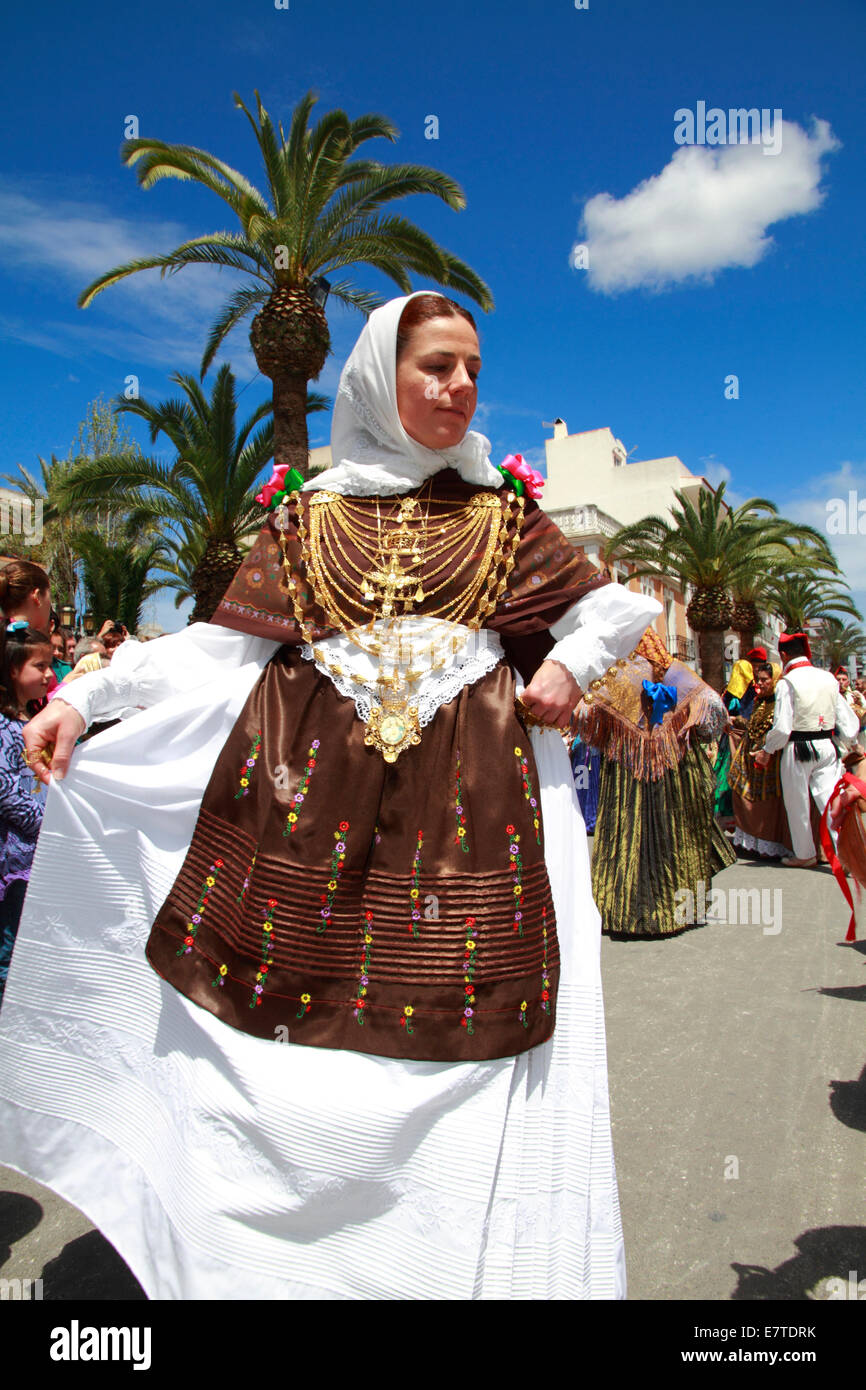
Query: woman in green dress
(657, 841)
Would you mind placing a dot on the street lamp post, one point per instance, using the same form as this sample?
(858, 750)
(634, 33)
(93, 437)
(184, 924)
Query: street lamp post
(319, 290)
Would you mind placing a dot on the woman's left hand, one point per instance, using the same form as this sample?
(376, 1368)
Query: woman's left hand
(552, 694)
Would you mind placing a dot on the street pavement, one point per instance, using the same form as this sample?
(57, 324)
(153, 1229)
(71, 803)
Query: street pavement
(738, 1095)
(737, 1059)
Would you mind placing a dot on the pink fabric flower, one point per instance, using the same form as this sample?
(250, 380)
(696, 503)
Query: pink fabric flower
(276, 483)
(519, 468)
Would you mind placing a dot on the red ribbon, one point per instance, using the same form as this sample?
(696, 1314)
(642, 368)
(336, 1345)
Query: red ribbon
(827, 844)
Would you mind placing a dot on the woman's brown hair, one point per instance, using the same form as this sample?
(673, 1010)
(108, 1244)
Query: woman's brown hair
(422, 309)
(18, 579)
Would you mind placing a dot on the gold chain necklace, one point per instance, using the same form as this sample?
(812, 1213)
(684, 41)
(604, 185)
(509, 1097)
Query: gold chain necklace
(391, 577)
(482, 524)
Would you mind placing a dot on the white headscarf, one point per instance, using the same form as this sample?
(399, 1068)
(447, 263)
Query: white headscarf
(371, 451)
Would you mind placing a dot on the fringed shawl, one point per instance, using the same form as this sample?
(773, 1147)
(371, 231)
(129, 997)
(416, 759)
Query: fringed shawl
(613, 717)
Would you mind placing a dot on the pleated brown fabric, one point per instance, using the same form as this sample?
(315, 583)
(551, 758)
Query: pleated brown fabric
(399, 909)
(756, 792)
(331, 899)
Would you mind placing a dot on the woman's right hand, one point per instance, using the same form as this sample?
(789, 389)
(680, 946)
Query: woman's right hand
(840, 803)
(55, 731)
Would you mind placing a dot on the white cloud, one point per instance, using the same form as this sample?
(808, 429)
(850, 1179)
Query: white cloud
(708, 209)
(132, 345)
(160, 321)
(715, 473)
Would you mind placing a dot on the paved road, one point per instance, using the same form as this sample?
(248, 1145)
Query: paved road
(738, 1089)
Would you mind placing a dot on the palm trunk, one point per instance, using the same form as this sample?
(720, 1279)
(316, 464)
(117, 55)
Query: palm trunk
(747, 640)
(291, 441)
(711, 645)
(208, 596)
(212, 576)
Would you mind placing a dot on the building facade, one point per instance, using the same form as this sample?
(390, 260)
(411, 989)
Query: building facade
(592, 490)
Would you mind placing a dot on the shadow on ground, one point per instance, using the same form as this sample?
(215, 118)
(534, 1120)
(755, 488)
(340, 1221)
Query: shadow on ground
(855, 992)
(19, 1215)
(848, 1101)
(89, 1268)
(831, 1252)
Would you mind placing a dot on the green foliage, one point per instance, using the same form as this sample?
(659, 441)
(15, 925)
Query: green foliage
(117, 575)
(60, 551)
(712, 545)
(205, 496)
(319, 214)
(749, 551)
(835, 643)
(802, 600)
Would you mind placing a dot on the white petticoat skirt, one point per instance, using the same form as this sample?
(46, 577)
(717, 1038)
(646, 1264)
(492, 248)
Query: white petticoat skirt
(223, 1166)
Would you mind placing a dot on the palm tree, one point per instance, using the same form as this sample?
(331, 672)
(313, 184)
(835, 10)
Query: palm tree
(713, 549)
(118, 574)
(749, 591)
(801, 600)
(837, 642)
(206, 496)
(319, 215)
(60, 551)
(185, 558)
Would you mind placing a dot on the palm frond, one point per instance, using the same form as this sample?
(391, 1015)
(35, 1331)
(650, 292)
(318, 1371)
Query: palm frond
(157, 160)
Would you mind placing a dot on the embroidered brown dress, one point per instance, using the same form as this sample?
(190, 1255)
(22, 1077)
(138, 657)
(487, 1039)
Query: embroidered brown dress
(337, 900)
(759, 810)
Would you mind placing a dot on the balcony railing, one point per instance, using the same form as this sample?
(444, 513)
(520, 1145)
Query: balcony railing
(685, 650)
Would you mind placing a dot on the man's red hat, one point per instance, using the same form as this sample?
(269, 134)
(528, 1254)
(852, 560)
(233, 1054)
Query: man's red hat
(757, 654)
(785, 639)
(841, 671)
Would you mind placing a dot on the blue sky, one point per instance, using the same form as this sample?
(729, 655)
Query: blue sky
(559, 123)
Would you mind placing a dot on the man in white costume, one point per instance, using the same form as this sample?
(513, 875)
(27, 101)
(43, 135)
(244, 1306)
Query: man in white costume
(810, 708)
(220, 1164)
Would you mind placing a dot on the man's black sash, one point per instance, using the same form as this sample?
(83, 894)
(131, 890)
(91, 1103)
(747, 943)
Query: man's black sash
(804, 748)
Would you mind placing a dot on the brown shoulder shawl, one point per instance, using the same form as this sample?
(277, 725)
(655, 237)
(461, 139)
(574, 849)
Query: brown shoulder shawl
(548, 577)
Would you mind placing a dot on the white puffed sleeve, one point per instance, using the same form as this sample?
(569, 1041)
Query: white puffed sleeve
(600, 628)
(847, 723)
(143, 673)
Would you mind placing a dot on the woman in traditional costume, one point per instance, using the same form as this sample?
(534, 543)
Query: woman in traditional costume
(845, 813)
(759, 810)
(324, 1017)
(657, 842)
(738, 699)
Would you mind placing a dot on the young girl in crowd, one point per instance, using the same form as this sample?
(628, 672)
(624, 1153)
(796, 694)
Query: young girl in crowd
(25, 674)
